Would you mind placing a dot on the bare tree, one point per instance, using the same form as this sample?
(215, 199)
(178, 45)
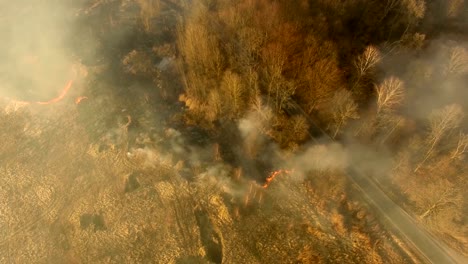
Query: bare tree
(365, 63)
(367, 60)
(342, 108)
(457, 62)
(299, 128)
(233, 89)
(251, 78)
(247, 49)
(199, 47)
(322, 78)
(461, 147)
(389, 94)
(284, 94)
(440, 195)
(390, 5)
(442, 122)
(279, 89)
(263, 113)
(203, 62)
(414, 9)
(454, 7)
(409, 11)
(413, 41)
(215, 106)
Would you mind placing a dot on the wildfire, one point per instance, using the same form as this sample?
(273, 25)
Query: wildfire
(61, 95)
(80, 98)
(76, 69)
(273, 175)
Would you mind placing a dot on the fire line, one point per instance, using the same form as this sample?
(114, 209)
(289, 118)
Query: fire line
(57, 99)
(61, 95)
(270, 178)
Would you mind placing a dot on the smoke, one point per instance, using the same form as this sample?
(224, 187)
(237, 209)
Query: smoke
(315, 158)
(35, 63)
(38, 59)
(217, 177)
(435, 77)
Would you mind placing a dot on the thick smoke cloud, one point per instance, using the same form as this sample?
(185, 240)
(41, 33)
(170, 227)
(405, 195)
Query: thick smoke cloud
(35, 64)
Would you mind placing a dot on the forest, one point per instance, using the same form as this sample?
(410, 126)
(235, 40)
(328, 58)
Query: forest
(228, 131)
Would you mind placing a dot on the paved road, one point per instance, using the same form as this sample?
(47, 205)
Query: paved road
(395, 217)
(401, 222)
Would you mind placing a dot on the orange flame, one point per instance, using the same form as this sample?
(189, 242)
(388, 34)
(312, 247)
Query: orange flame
(79, 99)
(51, 101)
(61, 95)
(273, 175)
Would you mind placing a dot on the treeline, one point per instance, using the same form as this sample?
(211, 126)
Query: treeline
(320, 55)
(386, 73)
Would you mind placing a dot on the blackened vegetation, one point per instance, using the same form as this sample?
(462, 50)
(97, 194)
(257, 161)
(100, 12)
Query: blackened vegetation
(96, 221)
(132, 183)
(233, 152)
(195, 135)
(209, 237)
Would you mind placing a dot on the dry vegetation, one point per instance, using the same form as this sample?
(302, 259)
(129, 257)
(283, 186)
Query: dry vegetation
(129, 175)
(317, 58)
(70, 202)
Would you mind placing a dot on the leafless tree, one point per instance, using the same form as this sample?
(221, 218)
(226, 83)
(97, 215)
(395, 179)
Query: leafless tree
(367, 60)
(342, 108)
(215, 105)
(246, 51)
(200, 47)
(279, 88)
(414, 40)
(299, 128)
(461, 147)
(233, 89)
(442, 122)
(262, 112)
(322, 78)
(284, 93)
(389, 94)
(457, 62)
(365, 64)
(440, 195)
(454, 7)
(251, 78)
(390, 5)
(409, 11)
(414, 8)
